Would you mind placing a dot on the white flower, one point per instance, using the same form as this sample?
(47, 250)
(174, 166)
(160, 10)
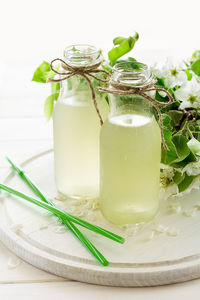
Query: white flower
(174, 78)
(173, 73)
(166, 174)
(193, 168)
(189, 93)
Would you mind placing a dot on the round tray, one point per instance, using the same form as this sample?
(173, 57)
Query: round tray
(140, 261)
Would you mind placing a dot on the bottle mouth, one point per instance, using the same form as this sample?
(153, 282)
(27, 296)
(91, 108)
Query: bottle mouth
(81, 54)
(132, 73)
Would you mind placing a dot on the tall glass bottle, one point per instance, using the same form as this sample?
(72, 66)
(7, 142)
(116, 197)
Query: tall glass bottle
(130, 152)
(76, 129)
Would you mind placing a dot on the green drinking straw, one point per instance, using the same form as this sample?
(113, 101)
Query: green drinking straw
(64, 220)
(70, 225)
(70, 217)
(92, 249)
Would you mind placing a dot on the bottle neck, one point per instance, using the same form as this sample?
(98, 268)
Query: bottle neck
(79, 55)
(130, 74)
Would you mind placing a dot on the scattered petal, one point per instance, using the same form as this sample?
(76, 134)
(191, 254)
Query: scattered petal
(13, 262)
(47, 214)
(173, 232)
(151, 236)
(161, 228)
(16, 227)
(190, 212)
(43, 226)
(197, 206)
(60, 229)
(175, 208)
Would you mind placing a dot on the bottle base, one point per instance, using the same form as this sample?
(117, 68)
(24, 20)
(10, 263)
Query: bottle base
(131, 219)
(76, 196)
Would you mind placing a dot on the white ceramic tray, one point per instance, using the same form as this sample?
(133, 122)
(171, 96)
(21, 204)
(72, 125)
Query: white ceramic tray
(139, 262)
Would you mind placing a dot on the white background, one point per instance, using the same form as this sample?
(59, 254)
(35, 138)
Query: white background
(40, 29)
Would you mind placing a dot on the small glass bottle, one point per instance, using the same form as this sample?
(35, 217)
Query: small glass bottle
(130, 152)
(76, 129)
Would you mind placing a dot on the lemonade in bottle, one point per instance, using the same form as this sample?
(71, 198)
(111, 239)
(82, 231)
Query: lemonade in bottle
(76, 129)
(130, 152)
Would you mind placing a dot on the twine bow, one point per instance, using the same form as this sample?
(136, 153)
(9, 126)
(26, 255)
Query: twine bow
(122, 90)
(85, 72)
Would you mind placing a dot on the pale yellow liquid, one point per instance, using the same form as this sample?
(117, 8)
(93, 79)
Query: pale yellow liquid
(130, 152)
(76, 145)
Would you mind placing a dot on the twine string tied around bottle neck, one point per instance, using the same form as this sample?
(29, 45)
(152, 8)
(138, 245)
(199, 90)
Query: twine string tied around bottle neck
(85, 71)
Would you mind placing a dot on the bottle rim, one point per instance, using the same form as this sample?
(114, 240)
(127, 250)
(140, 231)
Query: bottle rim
(81, 54)
(132, 73)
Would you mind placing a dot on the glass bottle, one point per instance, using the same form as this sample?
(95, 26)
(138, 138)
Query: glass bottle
(130, 152)
(76, 129)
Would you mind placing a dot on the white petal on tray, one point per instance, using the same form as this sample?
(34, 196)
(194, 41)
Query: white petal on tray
(161, 228)
(43, 226)
(151, 235)
(173, 232)
(190, 212)
(16, 227)
(60, 229)
(13, 262)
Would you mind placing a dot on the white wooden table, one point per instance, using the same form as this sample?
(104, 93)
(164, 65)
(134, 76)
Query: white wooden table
(23, 133)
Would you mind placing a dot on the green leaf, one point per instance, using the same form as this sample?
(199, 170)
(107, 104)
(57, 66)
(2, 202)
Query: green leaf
(194, 126)
(168, 156)
(178, 177)
(160, 82)
(182, 148)
(48, 107)
(166, 121)
(175, 116)
(177, 145)
(182, 164)
(131, 59)
(160, 98)
(118, 40)
(123, 46)
(51, 73)
(189, 75)
(185, 183)
(109, 69)
(196, 55)
(194, 146)
(55, 89)
(174, 106)
(106, 97)
(128, 60)
(196, 67)
(40, 74)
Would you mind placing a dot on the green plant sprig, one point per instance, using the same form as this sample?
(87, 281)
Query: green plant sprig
(181, 130)
(122, 46)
